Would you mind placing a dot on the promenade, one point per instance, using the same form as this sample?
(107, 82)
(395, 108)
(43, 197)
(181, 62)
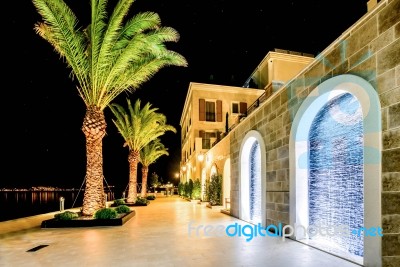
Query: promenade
(168, 232)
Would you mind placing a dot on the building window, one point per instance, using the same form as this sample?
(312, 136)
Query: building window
(210, 111)
(235, 107)
(206, 139)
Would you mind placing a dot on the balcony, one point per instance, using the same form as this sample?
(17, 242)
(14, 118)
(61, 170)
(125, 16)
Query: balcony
(269, 91)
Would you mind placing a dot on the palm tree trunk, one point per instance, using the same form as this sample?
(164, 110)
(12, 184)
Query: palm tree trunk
(94, 126)
(133, 159)
(145, 171)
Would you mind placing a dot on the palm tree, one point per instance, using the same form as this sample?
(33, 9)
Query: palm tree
(148, 155)
(108, 57)
(138, 127)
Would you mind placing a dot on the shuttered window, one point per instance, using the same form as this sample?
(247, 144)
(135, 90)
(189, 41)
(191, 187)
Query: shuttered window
(243, 107)
(219, 110)
(202, 110)
(210, 110)
(201, 133)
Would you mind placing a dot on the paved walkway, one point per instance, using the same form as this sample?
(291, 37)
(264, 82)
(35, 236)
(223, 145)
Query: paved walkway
(158, 235)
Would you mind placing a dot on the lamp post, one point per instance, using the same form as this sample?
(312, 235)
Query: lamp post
(183, 171)
(176, 178)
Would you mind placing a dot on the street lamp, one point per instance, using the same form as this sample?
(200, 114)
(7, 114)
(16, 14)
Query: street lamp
(200, 157)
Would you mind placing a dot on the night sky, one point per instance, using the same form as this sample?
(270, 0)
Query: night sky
(223, 42)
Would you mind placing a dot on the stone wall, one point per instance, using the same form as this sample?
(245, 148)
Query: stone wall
(369, 49)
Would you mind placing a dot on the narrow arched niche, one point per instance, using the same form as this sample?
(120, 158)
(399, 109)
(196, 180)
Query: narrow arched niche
(252, 179)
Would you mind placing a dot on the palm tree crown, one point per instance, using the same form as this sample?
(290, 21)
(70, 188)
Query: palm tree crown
(108, 56)
(139, 126)
(152, 151)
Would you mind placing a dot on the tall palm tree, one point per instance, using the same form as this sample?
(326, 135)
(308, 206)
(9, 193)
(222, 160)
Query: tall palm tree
(138, 126)
(148, 155)
(110, 56)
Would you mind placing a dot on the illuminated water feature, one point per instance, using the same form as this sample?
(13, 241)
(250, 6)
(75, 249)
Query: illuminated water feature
(336, 178)
(255, 183)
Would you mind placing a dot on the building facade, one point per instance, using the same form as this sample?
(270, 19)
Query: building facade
(322, 148)
(212, 111)
(209, 112)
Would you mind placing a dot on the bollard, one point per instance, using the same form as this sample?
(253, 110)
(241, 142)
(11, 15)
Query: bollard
(62, 199)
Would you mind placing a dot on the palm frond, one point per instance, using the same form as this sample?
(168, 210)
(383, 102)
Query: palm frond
(139, 24)
(59, 28)
(109, 38)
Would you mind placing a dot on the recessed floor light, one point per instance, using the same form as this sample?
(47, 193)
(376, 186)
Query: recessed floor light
(36, 248)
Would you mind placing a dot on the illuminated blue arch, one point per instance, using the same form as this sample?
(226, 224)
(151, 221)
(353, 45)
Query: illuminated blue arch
(299, 157)
(252, 179)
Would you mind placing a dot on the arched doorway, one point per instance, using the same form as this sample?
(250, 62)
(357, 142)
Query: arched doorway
(252, 179)
(335, 161)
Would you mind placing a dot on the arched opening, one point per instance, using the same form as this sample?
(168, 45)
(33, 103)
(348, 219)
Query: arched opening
(252, 179)
(335, 147)
(226, 191)
(213, 171)
(203, 184)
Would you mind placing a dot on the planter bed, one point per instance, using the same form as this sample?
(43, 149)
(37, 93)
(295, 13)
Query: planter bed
(135, 204)
(87, 222)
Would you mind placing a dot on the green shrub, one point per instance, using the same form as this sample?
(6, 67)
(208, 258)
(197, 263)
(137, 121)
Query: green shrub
(196, 192)
(106, 213)
(206, 191)
(188, 189)
(118, 202)
(214, 190)
(142, 201)
(66, 215)
(152, 197)
(181, 189)
(122, 209)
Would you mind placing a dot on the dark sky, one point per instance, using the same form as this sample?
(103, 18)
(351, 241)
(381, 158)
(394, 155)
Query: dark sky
(223, 42)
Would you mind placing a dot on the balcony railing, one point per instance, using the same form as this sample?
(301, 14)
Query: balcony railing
(267, 94)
